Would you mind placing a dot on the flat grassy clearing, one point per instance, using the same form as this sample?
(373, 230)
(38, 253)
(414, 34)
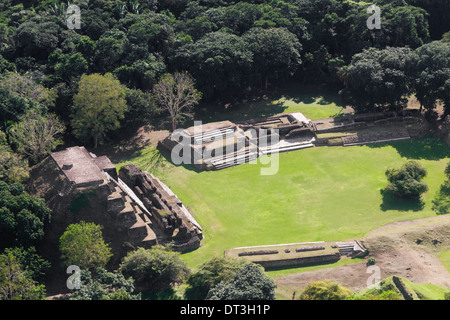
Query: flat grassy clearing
(318, 194)
(445, 259)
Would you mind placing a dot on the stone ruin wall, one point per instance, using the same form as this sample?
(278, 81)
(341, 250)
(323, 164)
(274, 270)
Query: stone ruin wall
(166, 209)
(317, 259)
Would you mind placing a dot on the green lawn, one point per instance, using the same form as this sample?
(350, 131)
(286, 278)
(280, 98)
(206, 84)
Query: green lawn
(445, 259)
(326, 193)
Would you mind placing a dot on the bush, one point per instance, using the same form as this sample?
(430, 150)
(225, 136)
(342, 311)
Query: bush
(371, 261)
(249, 283)
(210, 274)
(441, 202)
(325, 290)
(157, 266)
(405, 182)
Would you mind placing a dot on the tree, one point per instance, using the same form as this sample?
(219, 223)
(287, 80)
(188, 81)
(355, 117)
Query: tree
(142, 109)
(105, 286)
(429, 69)
(249, 283)
(157, 266)
(98, 107)
(37, 135)
(220, 62)
(377, 78)
(13, 169)
(19, 94)
(210, 274)
(324, 290)
(82, 244)
(276, 54)
(441, 202)
(15, 282)
(405, 182)
(33, 264)
(22, 216)
(37, 37)
(176, 94)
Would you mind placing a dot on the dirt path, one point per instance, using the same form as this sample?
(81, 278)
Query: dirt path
(407, 249)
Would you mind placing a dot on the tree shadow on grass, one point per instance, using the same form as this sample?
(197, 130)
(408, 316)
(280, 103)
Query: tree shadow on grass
(391, 202)
(425, 148)
(241, 111)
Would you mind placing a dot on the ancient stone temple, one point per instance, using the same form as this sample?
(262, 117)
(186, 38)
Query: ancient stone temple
(171, 220)
(219, 145)
(135, 205)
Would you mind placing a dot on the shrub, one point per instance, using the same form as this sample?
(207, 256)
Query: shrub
(155, 266)
(405, 182)
(249, 283)
(325, 290)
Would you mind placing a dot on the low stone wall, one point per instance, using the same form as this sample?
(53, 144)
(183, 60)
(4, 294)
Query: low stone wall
(401, 287)
(300, 261)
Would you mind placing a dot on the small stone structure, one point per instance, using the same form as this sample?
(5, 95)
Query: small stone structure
(298, 254)
(82, 168)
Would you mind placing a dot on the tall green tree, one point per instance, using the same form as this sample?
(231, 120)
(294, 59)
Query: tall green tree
(157, 266)
(105, 285)
(429, 69)
(12, 167)
(220, 62)
(22, 216)
(98, 107)
(82, 244)
(377, 78)
(276, 54)
(21, 93)
(406, 181)
(15, 282)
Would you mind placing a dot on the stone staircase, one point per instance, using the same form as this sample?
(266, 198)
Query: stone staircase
(233, 159)
(351, 249)
(345, 248)
(130, 216)
(213, 135)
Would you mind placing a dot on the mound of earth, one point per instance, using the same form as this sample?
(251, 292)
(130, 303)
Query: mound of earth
(405, 249)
